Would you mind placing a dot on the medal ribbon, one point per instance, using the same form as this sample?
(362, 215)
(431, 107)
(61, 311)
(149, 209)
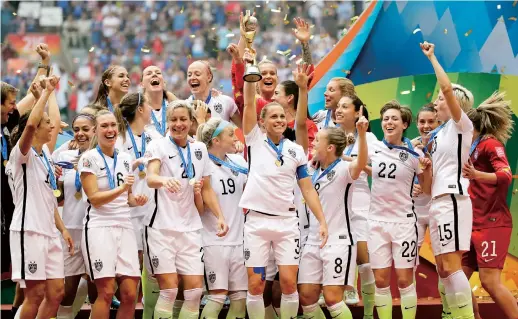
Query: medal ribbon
(111, 177)
(278, 150)
(350, 148)
(233, 166)
(407, 149)
(135, 149)
(46, 164)
(433, 134)
(5, 156)
(208, 97)
(187, 166)
(475, 144)
(328, 118)
(316, 177)
(160, 128)
(109, 103)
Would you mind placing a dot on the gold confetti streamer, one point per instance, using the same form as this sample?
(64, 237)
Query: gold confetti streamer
(292, 57)
(474, 288)
(91, 49)
(311, 37)
(70, 84)
(416, 30)
(189, 56)
(181, 11)
(286, 22)
(445, 31)
(213, 29)
(423, 275)
(353, 19)
(413, 86)
(145, 50)
(346, 71)
(193, 36)
(512, 18)
(405, 92)
(468, 33)
(15, 14)
(428, 95)
(278, 10)
(323, 36)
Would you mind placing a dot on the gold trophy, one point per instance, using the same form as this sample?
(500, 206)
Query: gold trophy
(252, 73)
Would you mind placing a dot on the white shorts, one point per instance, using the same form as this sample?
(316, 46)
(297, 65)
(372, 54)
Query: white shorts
(138, 229)
(263, 232)
(451, 221)
(169, 252)
(333, 265)
(225, 268)
(392, 242)
(74, 264)
(360, 224)
(421, 231)
(271, 268)
(40, 258)
(110, 252)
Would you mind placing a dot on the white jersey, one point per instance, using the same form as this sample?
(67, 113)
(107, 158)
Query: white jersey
(10, 178)
(320, 119)
(158, 116)
(270, 188)
(228, 186)
(335, 192)
(450, 151)
(393, 173)
(221, 106)
(33, 195)
(74, 209)
(59, 150)
(422, 204)
(117, 212)
(362, 191)
(302, 210)
(140, 186)
(177, 211)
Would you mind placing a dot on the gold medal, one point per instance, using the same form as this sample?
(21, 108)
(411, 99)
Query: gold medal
(57, 193)
(192, 181)
(142, 174)
(278, 163)
(5, 162)
(78, 195)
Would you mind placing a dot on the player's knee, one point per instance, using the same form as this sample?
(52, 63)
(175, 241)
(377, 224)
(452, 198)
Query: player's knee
(128, 295)
(35, 294)
(307, 298)
(332, 298)
(448, 266)
(404, 282)
(56, 294)
(381, 280)
(106, 292)
(489, 283)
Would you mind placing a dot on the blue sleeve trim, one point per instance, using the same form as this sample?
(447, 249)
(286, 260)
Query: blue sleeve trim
(302, 172)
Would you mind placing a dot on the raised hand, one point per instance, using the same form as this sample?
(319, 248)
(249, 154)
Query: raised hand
(302, 74)
(43, 50)
(51, 82)
(428, 49)
(362, 125)
(302, 31)
(36, 89)
(201, 111)
(233, 50)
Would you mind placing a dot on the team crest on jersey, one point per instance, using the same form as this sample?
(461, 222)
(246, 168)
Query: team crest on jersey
(292, 153)
(148, 139)
(403, 156)
(33, 267)
(154, 261)
(198, 154)
(126, 165)
(212, 277)
(86, 163)
(475, 155)
(236, 173)
(98, 264)
(247, 254)
(330, 175)
(218, 108)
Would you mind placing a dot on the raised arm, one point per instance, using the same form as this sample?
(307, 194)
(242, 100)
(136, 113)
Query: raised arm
(303, 33)
(37, 113)
(358, 164)
(443, 80)
(301, 76)
(28, 101)
(249, 110)
(55, 118)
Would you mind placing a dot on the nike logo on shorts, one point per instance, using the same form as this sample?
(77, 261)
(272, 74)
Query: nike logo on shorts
(409, 260)
(488, 260)
(445, 243)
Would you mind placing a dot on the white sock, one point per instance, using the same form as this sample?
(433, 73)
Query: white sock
(164, 304)
(383, 301)
(213, 307)
(81, 294)
(313, 311)
(289, 305)
(65, 312)
(340, 311)
(368, 288)
(255, 306)
(458, 295)
(408, 301)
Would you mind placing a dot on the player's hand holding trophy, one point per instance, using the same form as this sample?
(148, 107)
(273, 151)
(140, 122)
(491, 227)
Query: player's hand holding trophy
(248, 25)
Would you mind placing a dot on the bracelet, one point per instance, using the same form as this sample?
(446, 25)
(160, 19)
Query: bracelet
(46, 67)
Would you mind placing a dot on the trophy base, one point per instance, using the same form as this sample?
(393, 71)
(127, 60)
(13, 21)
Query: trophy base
(252, 74)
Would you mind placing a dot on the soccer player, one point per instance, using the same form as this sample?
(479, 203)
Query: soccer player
(158, 98)
(347, 114)
(451, 212)
(336, 89)
(109, 245)
(115, 83)
(74, 209)
(179, 172)
(332, 266)
(392, 220)
(490, 178)
(199, 78)
(274, 164)
(225, 272)
(36, 251)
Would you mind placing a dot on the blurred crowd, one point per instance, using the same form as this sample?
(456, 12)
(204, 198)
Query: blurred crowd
(137, 34)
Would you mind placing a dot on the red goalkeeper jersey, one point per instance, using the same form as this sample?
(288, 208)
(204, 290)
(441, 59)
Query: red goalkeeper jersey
(489, 201)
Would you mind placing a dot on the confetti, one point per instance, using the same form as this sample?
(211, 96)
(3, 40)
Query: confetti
(311, 37)
(416, 30)
(353, 19)
(512, 18)
(215, 50)
(145, 50)
(369, 72)
(193, 36)
(286, 22)
(445, 31)
(286, 16)
(428, 95)
(323, 36)
(257, 5)
(265, 57)
(474, 288)
(278, 10)
(312, 26)
(298, 61)
(413, 86)
(18, 71)
(15, 14)
(189, 56)
(91, 49)
(405, 92)
(297, 41)
(423, 275)
(502, 69)
(499, 7)
(70, 84)
(468, 33)
(292, 57)
(181, 11)
(230, 35)
(346, 72)
(213, 29)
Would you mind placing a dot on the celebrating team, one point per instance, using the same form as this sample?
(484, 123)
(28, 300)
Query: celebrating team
(153, 182)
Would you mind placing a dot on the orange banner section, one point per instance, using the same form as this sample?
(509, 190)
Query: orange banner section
(25, 44)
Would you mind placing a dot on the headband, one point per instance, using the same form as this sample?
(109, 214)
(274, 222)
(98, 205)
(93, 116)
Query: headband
(221, 126)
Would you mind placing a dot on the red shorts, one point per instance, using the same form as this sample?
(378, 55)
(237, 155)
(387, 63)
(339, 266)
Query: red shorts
(488, 248)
